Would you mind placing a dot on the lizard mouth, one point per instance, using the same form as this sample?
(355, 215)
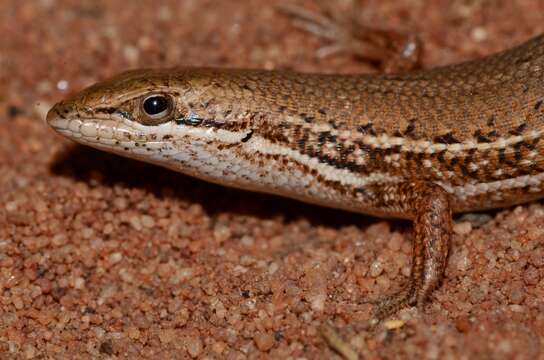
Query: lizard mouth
(57, 116)
(97, 130)
(111, 131)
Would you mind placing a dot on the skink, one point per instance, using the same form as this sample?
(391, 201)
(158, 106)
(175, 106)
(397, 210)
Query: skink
(417, 146)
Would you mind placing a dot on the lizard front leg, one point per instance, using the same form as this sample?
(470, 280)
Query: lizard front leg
(428, 205)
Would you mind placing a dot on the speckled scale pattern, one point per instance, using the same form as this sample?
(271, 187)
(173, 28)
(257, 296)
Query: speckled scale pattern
(452, 125)
(419, 146)
(463, 124)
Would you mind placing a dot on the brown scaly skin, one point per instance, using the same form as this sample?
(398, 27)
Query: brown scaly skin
(428, 205)
(419, 146)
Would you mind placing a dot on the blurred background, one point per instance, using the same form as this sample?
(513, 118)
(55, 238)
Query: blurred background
(101, 256)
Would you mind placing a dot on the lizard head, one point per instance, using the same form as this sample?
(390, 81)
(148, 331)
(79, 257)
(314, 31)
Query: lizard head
(172, 117)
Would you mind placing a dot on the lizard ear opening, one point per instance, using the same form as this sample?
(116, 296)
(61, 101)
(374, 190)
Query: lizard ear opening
(156, 109)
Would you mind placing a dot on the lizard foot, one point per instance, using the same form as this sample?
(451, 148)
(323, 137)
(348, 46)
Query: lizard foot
(393, 51)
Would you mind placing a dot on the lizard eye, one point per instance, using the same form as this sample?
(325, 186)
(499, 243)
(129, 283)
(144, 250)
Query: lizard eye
(157, 109)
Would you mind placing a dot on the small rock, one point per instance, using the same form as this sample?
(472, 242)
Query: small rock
(194, 346)
(462, 228)
(264, 341)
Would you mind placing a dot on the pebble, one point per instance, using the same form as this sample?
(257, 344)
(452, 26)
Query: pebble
(462, 228)
(194, 346)
(147, 221)
(264, 341)
(376, 268)
(166, 336)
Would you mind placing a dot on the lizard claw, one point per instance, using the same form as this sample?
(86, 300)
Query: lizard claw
(393, 303)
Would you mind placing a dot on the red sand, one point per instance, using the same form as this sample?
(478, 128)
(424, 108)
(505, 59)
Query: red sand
(102, 256)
